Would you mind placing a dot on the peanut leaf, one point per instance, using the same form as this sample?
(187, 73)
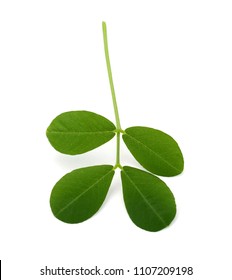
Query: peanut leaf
(78, 195)
(149, 202)
(77, 132)
(155, 150)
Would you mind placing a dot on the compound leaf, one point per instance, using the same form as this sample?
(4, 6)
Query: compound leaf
(155, 150)
(149, 202)
(79, 194)
(77, 132)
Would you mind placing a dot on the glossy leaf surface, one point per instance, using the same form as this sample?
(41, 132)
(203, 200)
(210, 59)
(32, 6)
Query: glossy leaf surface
(79, 194)
(154, 150)
(77, 132)
(149, 202)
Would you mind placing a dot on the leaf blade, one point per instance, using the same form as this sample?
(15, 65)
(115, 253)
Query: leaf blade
(78, 132)
(155, 150)
(78, 195)
(149, 202)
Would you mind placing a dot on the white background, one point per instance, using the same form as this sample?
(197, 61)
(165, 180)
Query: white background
(172, 67)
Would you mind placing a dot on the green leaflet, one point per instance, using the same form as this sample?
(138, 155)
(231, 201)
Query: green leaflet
(149, 202)
(79, 194)
(77, 132)
(154, 150)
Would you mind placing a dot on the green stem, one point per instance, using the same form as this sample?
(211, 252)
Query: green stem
(118, 149)
(118, 125)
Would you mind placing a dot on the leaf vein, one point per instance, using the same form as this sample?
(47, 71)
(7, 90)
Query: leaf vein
(80, 132)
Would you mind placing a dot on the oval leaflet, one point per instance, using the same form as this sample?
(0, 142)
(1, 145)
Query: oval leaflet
(155, 150)
(77, 132)
(78, 195)
(148, 200)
